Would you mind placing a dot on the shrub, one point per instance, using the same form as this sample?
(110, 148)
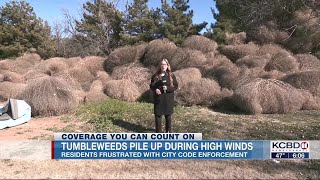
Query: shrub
(234, 52)
(32, 58)
(235, 38)
(19, 67)
(12, 77)
(185, 58)
(122, 89)
(269, 34)
(1, 77)
(253, 61)
(283, 62)
(268, 96)
(33, 74)
(308, 62)
(120, 56)
(200, 43)
(5, 64)
(309, 80)
(103, 76)
(184, 76)
(200, 92)
(83, 76)
(93, 63)
(10, 90)
(311, 102)
(157, 50)
(49, 96)
(225, 74)
(134, 72)
(53, 66)
(74, 61)
(271, 50)
(274, 74)
(95, 94)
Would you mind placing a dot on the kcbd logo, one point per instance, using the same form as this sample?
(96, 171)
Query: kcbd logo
(290, 145)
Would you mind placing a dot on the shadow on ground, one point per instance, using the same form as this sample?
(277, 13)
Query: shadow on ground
(131, 126)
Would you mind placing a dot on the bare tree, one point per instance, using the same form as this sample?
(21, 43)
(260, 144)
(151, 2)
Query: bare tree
(58, 31)
(69, 23)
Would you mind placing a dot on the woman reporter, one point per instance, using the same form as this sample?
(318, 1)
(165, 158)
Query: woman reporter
(163, 84)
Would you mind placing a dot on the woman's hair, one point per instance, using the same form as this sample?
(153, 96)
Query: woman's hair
(158, 74)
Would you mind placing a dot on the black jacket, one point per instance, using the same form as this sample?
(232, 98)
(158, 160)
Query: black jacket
(163, 103)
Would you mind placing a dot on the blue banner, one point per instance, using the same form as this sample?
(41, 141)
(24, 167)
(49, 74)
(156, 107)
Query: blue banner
(205, 149)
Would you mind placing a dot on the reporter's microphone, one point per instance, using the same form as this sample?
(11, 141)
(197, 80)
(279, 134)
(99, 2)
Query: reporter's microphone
(164, 82)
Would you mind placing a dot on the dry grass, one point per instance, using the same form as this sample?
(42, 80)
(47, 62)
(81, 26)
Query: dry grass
(141, 50)
(283, 62)
(10, 90)
(157, 50)
(32, 58)
(82, 76)
(120, 56)
(247, 75)
(274, 74)
(71, 81)
(146, 169)
(308, 80)
(103, 76)
(199, 92)
(5, 64)
(12, 77)
(230, 76)
(185, 58)
(302, 44)
(56, 67)
(308, 62)
(270, 34)
(235, 38)
(95, 94)
(19, 67)
(53, 66)
(33, 74)
(235, 52)
(96, 85)
(253, 61)
(94, 64)
(135, 73)
(1, 77)
(74, 61)
(49, 96)
(216, 60)
(80, 96)
(306, 17)
(184, 76)
(311, 102)
(271, 49)
(302, 16)
(80, 62)
(122, 89)
(225, 74)
(268, 96)
(200, 43)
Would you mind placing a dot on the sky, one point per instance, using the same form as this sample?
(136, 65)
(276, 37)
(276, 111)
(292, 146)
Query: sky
(52, 10)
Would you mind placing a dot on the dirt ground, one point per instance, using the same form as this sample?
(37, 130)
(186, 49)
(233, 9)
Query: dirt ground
(35, 128)
(39, 128)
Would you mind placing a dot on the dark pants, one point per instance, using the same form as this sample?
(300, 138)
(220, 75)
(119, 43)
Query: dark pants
(158, 123)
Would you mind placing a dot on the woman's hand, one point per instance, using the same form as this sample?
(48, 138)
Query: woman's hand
(158, 91)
